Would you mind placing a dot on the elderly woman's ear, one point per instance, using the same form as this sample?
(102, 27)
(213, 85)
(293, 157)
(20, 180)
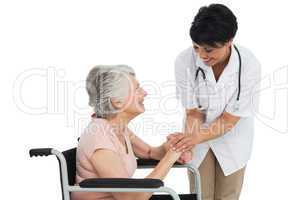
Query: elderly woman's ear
(116, 103)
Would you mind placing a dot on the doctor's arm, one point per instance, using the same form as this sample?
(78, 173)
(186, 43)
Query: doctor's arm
(194, 119)
(196, 133)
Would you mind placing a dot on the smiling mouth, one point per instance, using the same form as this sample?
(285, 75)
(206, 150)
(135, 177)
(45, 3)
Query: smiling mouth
(207, 60)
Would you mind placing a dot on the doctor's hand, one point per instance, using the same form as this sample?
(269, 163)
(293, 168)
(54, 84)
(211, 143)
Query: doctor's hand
(175, 138)
(183, 142)
(171, 140)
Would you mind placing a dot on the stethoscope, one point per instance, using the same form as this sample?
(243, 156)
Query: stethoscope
(199, 69)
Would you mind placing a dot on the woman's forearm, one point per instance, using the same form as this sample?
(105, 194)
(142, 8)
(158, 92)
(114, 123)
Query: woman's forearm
(157, 153)
(159, 172)
(165, 164)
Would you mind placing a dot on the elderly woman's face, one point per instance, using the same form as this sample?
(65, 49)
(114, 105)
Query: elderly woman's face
(134, 103)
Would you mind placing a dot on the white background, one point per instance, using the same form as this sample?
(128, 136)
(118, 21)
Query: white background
(48, 47)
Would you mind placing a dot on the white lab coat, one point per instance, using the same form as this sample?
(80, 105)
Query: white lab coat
(233, 149)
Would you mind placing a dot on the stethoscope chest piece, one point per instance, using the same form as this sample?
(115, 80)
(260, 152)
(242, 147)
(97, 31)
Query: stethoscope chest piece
(236, 106)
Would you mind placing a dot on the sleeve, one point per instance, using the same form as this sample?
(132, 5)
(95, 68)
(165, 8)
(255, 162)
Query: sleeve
(248, 103)
(98, 139)
(184, 86)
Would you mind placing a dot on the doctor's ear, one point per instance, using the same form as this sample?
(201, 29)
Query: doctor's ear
(229, 43)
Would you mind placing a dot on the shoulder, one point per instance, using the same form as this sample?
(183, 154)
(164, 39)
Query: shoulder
(250, 62)
(246, 52)
(185, 53)
(98, 131)
(184, 61)
(184, 56)
(99, 127)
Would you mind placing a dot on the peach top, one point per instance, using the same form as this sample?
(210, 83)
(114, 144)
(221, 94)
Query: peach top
(100, 135)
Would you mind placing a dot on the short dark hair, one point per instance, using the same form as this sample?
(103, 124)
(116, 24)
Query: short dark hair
(213, 24)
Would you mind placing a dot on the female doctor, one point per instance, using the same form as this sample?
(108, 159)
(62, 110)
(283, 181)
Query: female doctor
(216, 82)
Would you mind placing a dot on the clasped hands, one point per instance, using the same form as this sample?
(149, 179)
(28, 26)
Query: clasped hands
(183, 143)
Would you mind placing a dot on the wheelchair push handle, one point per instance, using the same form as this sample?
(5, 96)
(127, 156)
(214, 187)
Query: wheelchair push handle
(40, 152)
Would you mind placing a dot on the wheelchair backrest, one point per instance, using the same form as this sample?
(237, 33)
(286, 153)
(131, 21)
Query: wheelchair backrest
(70, 156)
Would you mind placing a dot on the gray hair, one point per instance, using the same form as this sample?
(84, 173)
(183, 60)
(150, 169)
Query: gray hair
(105, 82)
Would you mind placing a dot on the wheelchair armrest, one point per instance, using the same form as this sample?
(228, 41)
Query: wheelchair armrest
(148, 163)
(40, 152)
(120, 183)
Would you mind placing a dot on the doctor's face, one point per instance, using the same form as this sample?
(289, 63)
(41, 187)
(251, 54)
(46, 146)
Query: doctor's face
(213, 55)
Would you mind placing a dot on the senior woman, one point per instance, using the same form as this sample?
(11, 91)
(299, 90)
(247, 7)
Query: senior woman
(107, 147)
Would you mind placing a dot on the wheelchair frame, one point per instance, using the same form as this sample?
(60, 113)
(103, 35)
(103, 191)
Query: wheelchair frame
(149, 185)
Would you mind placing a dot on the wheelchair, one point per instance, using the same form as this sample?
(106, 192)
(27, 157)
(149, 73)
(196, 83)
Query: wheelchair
(67, 168)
